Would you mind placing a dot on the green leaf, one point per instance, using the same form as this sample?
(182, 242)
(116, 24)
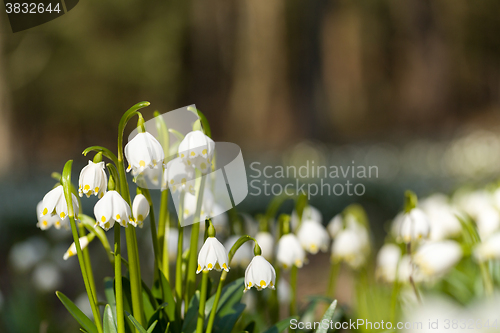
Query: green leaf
(328, 316)
(82, 319)
(189, 325)
(152, 327)
(281, 325)
(136, 323)
(250, 328)
(230, 294)
(167, 296)
(109, 320)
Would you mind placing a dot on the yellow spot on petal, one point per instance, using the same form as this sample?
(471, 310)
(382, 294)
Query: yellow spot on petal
(193, 153)
(298, 263)
(140, 218)
(45, 211)
(182, 155)
(44, 223)
(189, 162)
(314, 247)
(199, 267)
(70, 253)
(262, 283)
(285, 266)
(204, 152)
(174, 188)
(154, 162)
(217, 266)
(224, 266)
(101, 195)
(203, 166)
(103, 218)
(183, 181)
(271, 284)
(117, 217)
(57, 223)
(107, 225)
(86, 187)
(63, 215)
(142, 163)
(171, 181)
(96, 190)
(249, 284)
(210, 266)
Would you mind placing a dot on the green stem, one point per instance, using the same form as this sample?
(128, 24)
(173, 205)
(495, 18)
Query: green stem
(195, 232)
(120, 320)
(130, 235)
(293, 284)
(332, 281)
(66, 182)
(394, 301)
(203, 297)
(154, 236)
(275, 310)
(487, 280)
(162, 234)
(88, 265)
(178, 263)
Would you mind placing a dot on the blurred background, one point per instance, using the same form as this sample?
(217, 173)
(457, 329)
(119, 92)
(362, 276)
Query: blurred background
(412, 87)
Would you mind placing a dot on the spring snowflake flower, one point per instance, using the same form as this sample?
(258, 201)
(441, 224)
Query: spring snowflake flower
(352, 246)
(207, 205)
(414, 226)
(266, 243)
(142, 152)
(387, 262)
(112, 207)
(309, 213)
(434, 259)
(84, 242)
(488, 249)
(313, 236)
(178, 176)
(54, 203)
(47, 221)
(197, 149)
(93, 180)
(213, 255)
(335, 225)
(260, 274)
(442, 217)
(289, 252)
(140, 210)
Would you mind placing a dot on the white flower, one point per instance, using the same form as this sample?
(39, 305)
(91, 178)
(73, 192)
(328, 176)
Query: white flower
(284, 291)
(46, 221)
(93, 180)
(140, 210)
(178, 176)
(335, 225)
(387, 262)
(435, 259)
(243, 255)
(197, 149)
(266, 243)
(488, 222)
(207, 205)
(55, 203)
(406, 269)
(142, 152)
(414, 226)
(352, 246)
(112, 207)
(289, 251)
(442, 218)
(488, 249)
(84, 241)
(260, 274)
(309, 213)
(313, 236)
(213, 255)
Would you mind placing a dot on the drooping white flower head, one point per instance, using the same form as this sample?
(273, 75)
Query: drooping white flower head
(352, 246)
(488, 222)
(207, 205)
(406, 268)
(140, 210)
(442, 217)
(387, 262)
(142, 152)
(260, 274)
(46, 221)
(313, 236)
(243, 256)
(284, 291)
(488, 249)
(197, 149)
(178, 176)
(309, 213)
(434, 259)
(93, 180)
(54, 203)
(112, 207)
(335, 225)
(266, 243)
(414, 226)
(84, 242)
(213, 255)
(289, 252)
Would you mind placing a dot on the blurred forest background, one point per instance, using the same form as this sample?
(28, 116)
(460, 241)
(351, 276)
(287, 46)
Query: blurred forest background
(410, 86)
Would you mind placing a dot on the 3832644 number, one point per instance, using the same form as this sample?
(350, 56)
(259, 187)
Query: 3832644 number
(31, 8)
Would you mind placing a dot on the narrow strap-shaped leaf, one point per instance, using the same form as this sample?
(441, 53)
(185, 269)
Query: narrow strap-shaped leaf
(109, 322)
(328, 316)
(136, 323)
(281, 325)
(152, 327)
(82, 319)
